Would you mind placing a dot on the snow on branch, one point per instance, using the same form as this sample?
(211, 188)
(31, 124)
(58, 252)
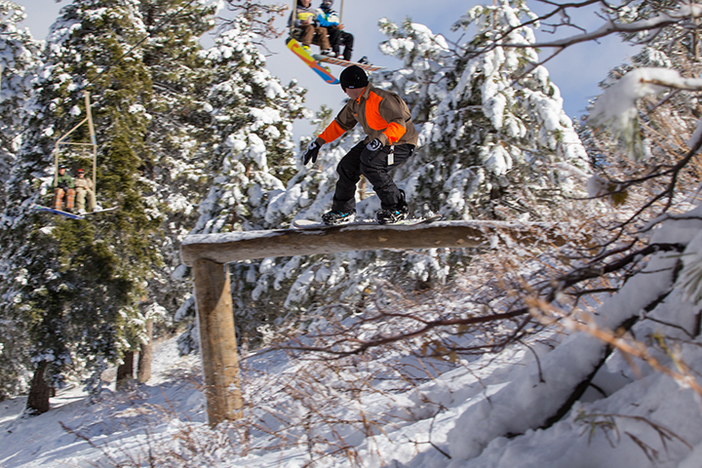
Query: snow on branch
(679, 16)
(616, 108)
(683, 16)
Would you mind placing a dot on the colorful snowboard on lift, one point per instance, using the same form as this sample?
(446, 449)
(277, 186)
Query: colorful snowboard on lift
(323, 72)
(310, 224)
(70, 215)
(345, 63)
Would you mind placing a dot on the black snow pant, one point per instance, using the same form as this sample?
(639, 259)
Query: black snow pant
(374, 166)
(338, 38)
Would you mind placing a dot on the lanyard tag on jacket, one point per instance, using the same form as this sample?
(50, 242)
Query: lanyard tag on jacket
(391, 156)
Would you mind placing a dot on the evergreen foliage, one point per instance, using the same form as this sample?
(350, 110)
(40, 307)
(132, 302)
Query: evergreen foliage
(495, 144)
(84, 279)
(251, 156)
(19, 54)
(178, 140)
(185, 134)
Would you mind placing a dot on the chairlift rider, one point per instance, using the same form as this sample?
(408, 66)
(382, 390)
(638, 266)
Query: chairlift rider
(329, 19)
(84, 193)
(64, 186)
(304, 26)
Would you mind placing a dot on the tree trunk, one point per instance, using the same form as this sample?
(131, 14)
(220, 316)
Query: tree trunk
(146, 355)
(39, 392)
(125, 371)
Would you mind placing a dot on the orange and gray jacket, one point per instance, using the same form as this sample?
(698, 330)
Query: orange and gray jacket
(382, 114)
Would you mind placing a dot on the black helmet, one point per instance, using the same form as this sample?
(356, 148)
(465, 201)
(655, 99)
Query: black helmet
(353, 77)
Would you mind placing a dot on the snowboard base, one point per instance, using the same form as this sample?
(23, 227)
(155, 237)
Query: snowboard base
(310, 224)
(70, 215)
(344, 63)
(305, 56)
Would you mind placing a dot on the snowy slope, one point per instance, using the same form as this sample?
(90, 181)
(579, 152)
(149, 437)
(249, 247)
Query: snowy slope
(389, 409)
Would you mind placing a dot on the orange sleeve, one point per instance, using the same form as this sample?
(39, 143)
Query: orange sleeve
(332, 132)
(385, 115)
(394, 132)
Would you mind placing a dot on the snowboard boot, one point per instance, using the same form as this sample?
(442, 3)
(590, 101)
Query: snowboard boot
(334, 217)
(394, 214)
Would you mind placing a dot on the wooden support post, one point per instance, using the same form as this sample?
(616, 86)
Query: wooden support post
(220, 361)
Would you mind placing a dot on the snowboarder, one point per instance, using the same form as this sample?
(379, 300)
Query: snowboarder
(84, 190)
(304, 19)
(63, 187)
(327, 18)
(390, 140)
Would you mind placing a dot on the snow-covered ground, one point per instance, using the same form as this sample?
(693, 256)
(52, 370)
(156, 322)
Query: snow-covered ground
(389, 409)
(74, 430)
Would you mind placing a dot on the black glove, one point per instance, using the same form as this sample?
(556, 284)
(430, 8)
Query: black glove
(310, 153)
(62, 185)
(374, 145)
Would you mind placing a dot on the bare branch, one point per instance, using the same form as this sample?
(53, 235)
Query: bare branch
(609, 28)
(361, 346)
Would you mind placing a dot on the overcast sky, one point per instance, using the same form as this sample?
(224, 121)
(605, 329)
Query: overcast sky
(576, 71)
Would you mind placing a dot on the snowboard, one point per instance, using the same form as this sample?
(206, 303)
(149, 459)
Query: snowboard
(305, 56)
(70, 215)
(345, 63)
(310, 224)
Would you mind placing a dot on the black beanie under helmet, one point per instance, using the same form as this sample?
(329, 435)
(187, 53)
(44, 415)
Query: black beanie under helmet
(353, 77)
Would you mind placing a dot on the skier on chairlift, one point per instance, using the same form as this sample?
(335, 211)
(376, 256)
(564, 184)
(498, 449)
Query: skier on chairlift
(304, 27)
(84, 193)
(63, 187)
(329, 19)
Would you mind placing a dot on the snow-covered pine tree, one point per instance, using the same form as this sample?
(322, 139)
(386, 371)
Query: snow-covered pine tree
(180, 137)
(496, 142)
(18, 59)
(253, 115)
(19, 54)
(250, 158)
(76, 285)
